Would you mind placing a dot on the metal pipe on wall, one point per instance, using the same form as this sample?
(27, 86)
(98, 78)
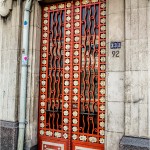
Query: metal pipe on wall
(24, 67)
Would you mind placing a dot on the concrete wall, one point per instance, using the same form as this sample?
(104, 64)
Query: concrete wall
(10, 41)
(137, 29)
(10, 58)
(9, 66)
(115, 75)
(33, 76)
(137, 75)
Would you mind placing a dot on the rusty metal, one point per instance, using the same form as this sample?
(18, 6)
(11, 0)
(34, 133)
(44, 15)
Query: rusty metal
(72, 78)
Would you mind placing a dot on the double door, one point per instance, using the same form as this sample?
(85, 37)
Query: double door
(72, 76)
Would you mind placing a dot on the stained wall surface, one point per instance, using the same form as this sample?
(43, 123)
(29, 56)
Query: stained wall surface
(115, 75)
(10, 29)
(10, 66)
(137, 100)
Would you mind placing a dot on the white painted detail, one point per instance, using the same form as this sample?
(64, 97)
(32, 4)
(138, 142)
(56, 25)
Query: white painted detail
(57, 134)
(82, 138)
(74, 136)
(93, 139)
(53, 144)
(83, 148)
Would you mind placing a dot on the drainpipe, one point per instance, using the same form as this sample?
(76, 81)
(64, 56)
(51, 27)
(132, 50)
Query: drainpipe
(24, 67)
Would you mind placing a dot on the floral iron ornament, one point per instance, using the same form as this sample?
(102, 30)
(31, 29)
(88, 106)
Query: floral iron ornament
(73, 80)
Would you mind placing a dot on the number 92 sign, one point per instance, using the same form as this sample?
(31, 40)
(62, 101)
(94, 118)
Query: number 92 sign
(115, 46)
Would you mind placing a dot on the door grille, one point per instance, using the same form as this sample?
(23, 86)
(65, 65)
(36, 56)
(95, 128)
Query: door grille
(73, 72)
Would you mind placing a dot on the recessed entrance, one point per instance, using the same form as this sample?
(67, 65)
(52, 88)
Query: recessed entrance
(72, 78)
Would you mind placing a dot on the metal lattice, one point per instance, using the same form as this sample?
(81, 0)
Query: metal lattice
(73, 71)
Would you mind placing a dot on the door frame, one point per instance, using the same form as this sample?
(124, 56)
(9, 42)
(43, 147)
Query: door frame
(40, 111)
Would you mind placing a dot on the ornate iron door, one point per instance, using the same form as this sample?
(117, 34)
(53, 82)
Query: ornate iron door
(72, 76)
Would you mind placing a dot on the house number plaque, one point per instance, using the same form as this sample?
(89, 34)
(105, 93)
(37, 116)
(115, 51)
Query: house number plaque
(115, 46)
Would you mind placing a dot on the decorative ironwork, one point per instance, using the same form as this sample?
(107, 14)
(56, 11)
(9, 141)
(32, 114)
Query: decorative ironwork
(73, 72)
(89, 71)
(55, 69)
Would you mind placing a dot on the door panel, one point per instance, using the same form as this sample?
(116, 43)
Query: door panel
(72, 77)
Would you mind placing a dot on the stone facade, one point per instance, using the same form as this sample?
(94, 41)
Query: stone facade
(132, 143)
(8, 135)
(128, 76)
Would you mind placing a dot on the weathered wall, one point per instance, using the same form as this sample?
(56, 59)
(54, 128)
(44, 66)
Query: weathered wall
(137, 75)
(115, 75)
(33, 76)
(10, 54)
(10, 29)
(9, 49)
(137, 29)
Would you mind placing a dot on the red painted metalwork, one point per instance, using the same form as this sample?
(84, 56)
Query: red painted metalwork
(72, 77)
